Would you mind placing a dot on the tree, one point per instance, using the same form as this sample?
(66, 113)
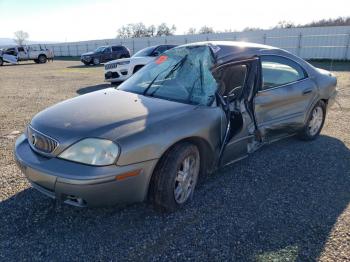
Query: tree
(329, 22)
(164, 30)
(191, 31)
(20, 37)
(139, 30)
(151, 31)
(247, 29)
(125, 31)
(285, 24)
(206, 30)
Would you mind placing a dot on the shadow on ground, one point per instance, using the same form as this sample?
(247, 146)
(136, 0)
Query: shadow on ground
(280, 203)
(22, 64)
(85, 66)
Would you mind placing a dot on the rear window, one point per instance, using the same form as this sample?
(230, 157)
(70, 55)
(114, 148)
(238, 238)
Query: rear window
(117, 48)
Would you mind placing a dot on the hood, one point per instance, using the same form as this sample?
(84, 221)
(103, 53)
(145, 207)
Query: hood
(108, 113)
(118, 60)
(88, 53)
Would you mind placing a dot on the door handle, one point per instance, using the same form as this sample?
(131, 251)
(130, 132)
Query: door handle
(307, 91)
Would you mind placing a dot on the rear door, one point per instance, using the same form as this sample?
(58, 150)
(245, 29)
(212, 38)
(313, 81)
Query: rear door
(106, 55)
(117, 52)
(284, 97)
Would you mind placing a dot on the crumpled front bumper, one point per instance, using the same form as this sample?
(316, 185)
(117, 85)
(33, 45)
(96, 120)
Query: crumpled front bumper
(83, 185)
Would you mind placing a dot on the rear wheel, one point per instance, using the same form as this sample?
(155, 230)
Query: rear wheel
(175, 177)
(42, 59)
(315, 122)
(1, 61)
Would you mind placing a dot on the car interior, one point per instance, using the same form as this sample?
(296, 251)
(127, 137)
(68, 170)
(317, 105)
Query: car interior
(231, 81)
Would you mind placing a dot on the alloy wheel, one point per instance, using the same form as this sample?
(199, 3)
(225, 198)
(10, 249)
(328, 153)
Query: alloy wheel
(186, 178)
(315, 121)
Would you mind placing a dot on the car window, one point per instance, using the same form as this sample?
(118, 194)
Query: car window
(107, 50)
(117, 48)
(159, 50)
(170, 46)
(277, 71)
(144, 52)
(20, 49)
(101, 49)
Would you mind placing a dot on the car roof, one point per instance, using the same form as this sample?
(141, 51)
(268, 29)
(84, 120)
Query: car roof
(229, 48)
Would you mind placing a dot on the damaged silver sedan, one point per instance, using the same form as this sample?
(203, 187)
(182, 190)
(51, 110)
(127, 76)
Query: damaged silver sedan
(194, 109)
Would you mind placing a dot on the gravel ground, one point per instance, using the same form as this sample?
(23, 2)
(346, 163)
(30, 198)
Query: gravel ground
(287, 202)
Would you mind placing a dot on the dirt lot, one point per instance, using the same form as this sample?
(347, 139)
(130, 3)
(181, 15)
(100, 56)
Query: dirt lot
(288, 201)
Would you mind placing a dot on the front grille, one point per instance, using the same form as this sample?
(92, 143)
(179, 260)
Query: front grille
(111, 66)
(41, 142)
(111, 75)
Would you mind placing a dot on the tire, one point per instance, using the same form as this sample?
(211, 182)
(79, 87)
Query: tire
(86, 63)
(137, 68)
(1, 61)
(36, 61)
(314, 122)
(96, 61)
(175, 178)
(42, 59)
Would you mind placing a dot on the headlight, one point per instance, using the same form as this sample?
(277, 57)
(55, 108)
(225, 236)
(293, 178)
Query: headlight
(92, 151)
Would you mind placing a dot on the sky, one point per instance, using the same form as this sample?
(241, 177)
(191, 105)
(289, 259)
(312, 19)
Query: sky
(78, 20)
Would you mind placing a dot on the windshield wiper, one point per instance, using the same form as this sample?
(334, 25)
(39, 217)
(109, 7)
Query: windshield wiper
(178, 65)
(200, 78)
(151, 83)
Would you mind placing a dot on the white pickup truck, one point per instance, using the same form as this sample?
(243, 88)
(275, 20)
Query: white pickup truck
(23, 53)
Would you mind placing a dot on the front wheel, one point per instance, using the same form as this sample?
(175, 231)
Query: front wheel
(315, 122)
(42, 59)
(175, 177)
(96, 61)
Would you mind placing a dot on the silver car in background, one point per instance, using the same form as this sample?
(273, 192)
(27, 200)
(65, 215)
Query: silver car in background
(196, 108)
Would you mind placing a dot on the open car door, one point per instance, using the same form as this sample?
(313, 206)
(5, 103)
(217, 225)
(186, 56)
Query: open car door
(238, 83)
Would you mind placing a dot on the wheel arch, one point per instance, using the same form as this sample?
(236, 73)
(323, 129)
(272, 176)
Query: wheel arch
(206, 153)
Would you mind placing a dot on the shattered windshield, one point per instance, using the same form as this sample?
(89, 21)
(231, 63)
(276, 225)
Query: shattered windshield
(181, 74)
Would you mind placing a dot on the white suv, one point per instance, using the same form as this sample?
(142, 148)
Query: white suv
(121, 69)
